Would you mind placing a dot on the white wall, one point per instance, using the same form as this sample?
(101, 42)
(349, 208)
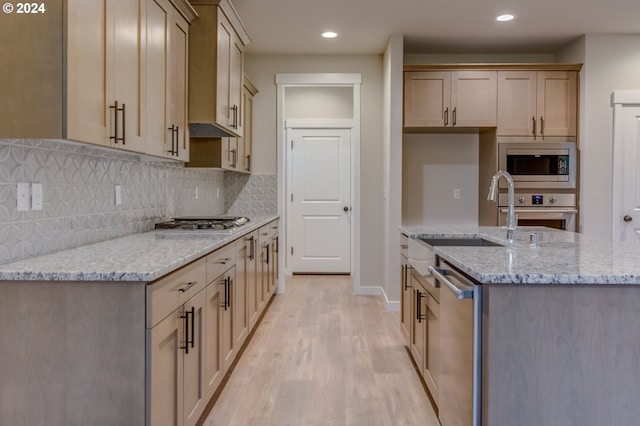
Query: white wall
(261, 70)
(433, 166)
(611, 62)
(318, 102)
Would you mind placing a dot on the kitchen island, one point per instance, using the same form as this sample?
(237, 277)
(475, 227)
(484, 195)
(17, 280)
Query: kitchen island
(558, 325)
(137, 330)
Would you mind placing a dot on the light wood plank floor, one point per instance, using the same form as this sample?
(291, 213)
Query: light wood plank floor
(322, 356)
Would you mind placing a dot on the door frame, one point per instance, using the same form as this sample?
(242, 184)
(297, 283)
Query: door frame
(284, 80)
(619, 100)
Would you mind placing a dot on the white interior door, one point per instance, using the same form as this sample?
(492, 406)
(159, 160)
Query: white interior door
(320, 200)
(626, 180)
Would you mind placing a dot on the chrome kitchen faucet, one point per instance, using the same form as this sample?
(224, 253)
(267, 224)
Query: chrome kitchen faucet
(511, 216)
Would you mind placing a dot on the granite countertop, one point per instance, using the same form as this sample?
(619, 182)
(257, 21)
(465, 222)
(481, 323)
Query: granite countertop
(560, 257)
(140, 257)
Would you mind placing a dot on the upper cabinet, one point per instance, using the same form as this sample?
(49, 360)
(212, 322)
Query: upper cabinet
(245, 143)
(216, 67)
(450, 98)
(81, 72)
(537, 103)
(167, 36)
(228, 153)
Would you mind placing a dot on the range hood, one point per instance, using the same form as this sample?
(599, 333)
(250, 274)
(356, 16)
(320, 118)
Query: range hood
(208, 130)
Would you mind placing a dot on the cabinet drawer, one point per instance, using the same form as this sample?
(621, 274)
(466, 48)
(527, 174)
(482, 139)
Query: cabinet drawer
(169, 292)
(220, 260)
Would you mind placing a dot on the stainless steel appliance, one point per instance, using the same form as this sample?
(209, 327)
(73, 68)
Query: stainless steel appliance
(554, 210)
(539, 164)
(216, 223)
(460, 372)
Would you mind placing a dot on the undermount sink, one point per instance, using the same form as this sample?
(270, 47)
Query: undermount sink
(459, 242)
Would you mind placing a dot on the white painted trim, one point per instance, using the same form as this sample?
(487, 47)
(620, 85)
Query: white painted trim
(619, 100)
(319, 123)
(310, 79)
(326, 79)
(625, 97)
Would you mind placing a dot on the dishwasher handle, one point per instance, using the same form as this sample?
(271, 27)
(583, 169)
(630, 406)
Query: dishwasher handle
(461, 293)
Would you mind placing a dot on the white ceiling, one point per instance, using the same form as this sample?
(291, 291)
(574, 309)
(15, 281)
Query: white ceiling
(430, 26)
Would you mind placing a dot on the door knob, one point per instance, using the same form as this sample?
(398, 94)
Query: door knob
(627, 218)
(345, 208)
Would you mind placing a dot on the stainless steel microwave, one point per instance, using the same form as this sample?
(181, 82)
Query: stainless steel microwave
(539, 165)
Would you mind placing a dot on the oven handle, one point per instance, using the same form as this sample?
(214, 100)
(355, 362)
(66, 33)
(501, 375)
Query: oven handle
(541, 210)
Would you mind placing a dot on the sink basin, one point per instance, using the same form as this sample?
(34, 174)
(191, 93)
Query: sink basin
(460, 242)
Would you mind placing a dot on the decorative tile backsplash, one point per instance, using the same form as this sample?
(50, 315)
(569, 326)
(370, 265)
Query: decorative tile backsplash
(79, 195)
(256, 194)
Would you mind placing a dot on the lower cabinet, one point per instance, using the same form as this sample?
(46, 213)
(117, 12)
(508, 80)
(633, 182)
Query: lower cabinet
(177, 343)
(198, 318)
(425, 330)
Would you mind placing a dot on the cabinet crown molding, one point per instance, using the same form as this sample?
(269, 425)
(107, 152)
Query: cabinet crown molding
(495, 66)
(231, 14)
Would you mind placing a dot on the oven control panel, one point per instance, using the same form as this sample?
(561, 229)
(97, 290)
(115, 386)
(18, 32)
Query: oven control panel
(539, 200)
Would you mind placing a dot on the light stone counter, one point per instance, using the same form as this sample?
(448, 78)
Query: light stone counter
(560, 258)
(140, 257)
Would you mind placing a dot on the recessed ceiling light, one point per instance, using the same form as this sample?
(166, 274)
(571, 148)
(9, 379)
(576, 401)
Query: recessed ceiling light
(329, 34)
(504, 18)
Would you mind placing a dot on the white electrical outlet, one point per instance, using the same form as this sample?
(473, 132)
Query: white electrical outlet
(456, 193)
(217, 193)
(196, 192)
(36, 196)
(118, 195)
(22, 196)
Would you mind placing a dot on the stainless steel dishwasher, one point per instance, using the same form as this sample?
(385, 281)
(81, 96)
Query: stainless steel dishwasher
(460, 346)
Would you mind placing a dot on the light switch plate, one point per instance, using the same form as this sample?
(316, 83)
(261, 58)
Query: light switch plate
(22, 196)
(36, 196)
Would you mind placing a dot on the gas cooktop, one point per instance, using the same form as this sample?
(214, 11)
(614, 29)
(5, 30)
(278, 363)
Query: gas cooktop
(219, 223)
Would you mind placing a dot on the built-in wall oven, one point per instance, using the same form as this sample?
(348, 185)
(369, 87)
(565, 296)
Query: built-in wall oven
(539, 164)
(553, 210)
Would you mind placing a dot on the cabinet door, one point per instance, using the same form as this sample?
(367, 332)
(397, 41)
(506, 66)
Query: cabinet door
(236, 72)
(157, 75)
(418, 336)
(516, 103)
(167, 366)
(178, 84)
(431, 310)
(265, 273)
(87, 110)
(427, 96)
(213, 319)
(195, 398)
(125, 72)
(474, 96)
(247, 130)
(251, 274)
(227, 342)
(557, 103)
(240, 317)
(405, 301)
(224, 114)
